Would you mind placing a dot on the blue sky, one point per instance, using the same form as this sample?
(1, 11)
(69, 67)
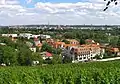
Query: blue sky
(31, 5)
(19, 12)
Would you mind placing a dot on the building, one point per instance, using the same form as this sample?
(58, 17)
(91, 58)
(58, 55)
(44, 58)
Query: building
(26, 35)
(45, 36)
(73, 41)
(37, 41)
(13, 36)
(59, 44)
(46, 55)
(84, 52)
(10, 35)
(114, 51)
(89, 41)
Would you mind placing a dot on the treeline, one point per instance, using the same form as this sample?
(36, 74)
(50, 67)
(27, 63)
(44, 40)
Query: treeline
(18, 53)
(102, 36)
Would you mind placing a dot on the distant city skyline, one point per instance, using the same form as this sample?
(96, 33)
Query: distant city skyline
(58, 12)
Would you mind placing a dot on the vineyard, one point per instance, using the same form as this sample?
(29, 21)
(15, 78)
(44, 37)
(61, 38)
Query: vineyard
(83, 73)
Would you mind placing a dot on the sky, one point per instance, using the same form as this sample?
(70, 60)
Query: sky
(77, 12)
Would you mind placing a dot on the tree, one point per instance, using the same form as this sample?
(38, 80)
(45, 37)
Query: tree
(9, 56)
(46, 47)
(24, 56)
(66, 41)
(56, 59)
(114, 41)
(118, 43)
(37, 57)
(7, 41)
(1, 54)
(82, 41)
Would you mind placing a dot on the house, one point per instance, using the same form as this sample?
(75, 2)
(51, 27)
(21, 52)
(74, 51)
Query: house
(59, 45)
(50, 41)
(89, 41)
(45, 36)
(35, 36)
(73, 41)
(46, 55)
(55, 44)
(38, 43)
(88, 52)
(26, 35)
(114, 51)
(10, 35)
(84, 52)
(13, 36)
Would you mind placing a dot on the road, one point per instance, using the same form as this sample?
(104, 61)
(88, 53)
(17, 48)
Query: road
(109, 59)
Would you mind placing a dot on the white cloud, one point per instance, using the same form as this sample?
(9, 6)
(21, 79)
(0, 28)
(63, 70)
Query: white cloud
(29, 1)
(91, 12)
(2, 1)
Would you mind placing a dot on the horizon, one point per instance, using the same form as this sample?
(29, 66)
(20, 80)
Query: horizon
(61, 12)
(64, 25)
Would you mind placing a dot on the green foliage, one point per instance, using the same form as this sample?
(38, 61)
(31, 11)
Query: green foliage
(84, 73)
(66, 41)
(46, 47)
(9, 55)
(114, 40)
(57, 51)
(24, 56)
(7, 41)
(118, 43)
(37, 57)
(82, 41)
(56, 59)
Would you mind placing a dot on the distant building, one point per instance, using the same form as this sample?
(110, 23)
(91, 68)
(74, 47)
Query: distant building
(13, 36)
(45, 36)
(26, 35)
(114, 51)
(46, 55)
(73, 41)
(89, 41)
(10, 35)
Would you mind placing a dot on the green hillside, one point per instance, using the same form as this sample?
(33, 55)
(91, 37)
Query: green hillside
(83, 73)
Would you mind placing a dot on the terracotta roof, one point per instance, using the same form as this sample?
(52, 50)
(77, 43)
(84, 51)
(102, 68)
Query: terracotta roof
(39, 45)
(59, 43)
(114, 50)
(48, 54)
(70, 45)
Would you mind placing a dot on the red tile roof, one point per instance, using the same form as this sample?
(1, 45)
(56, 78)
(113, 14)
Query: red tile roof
(48, 54)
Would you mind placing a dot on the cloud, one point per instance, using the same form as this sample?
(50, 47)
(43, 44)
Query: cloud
(29, 1)
(2, 1)
(90, 12)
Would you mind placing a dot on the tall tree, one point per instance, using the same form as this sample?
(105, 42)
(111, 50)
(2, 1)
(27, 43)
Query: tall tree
(24, 56)
(46, 47)
(9, 56)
